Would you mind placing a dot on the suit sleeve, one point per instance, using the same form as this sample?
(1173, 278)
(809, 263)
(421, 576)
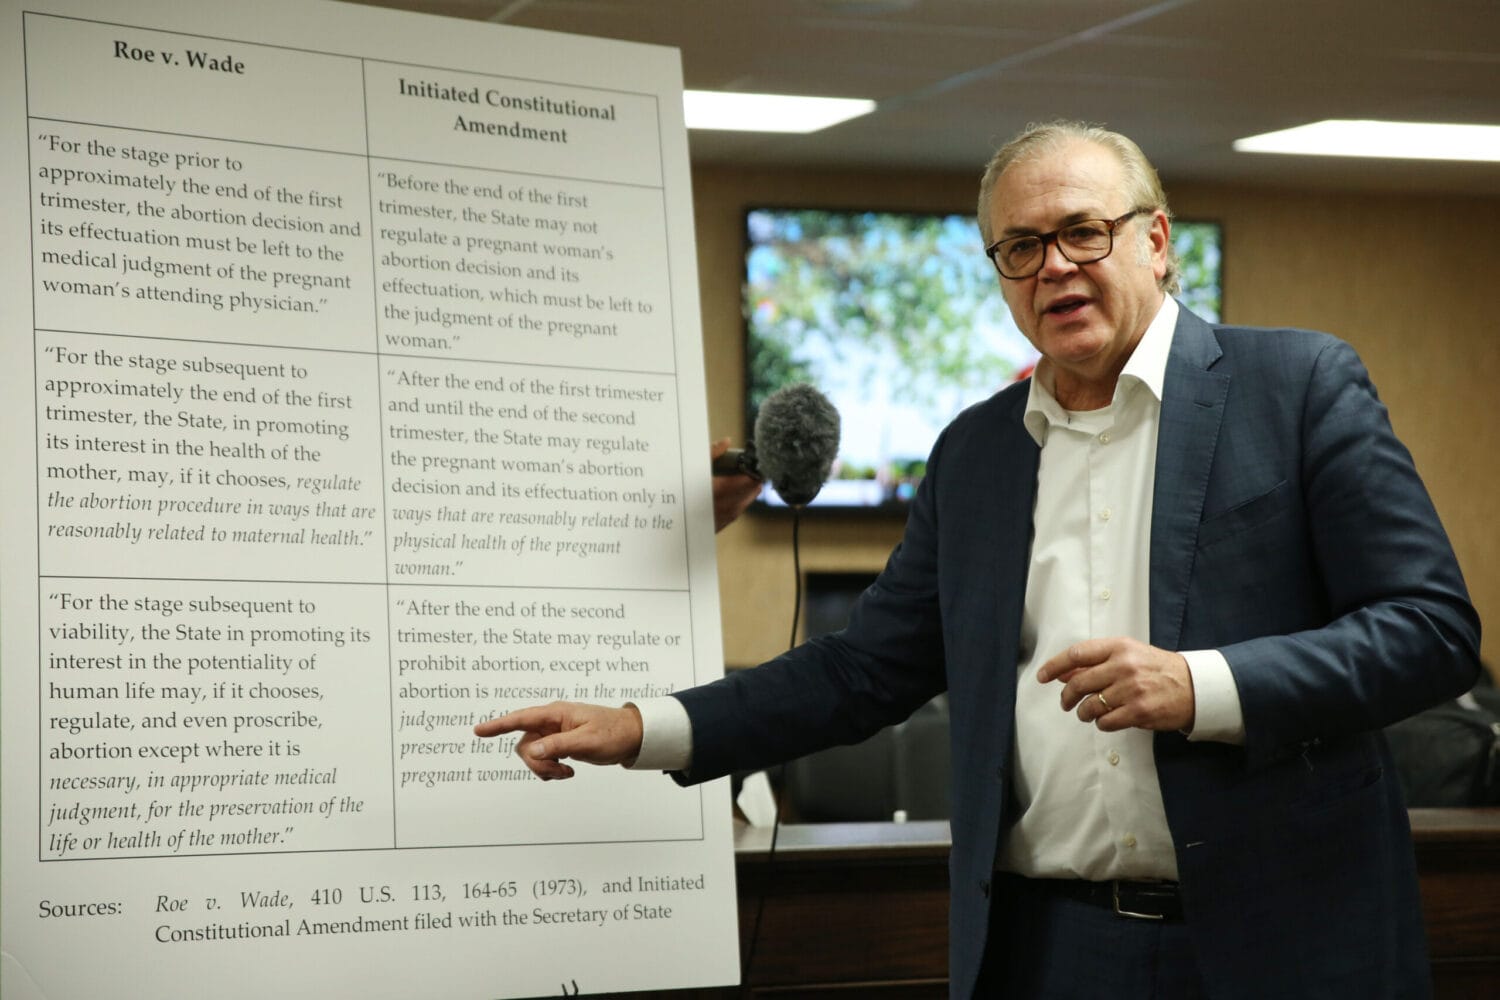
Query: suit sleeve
(836, 689)
(1400, 633)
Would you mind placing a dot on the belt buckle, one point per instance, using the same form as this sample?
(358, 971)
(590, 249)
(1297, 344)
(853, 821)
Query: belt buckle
(1115, 892)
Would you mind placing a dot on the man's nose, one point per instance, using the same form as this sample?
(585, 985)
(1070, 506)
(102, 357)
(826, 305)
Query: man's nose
(1054, 263)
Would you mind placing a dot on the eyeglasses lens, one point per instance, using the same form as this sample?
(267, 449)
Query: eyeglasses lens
(1082, 243)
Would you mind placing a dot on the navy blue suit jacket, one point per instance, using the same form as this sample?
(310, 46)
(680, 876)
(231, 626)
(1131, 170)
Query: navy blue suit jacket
(1292, 533)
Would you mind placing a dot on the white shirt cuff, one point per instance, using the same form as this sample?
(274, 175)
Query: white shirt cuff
(1217, 713)
(666, 735)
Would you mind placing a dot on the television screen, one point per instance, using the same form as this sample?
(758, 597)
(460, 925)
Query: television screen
(897, 318)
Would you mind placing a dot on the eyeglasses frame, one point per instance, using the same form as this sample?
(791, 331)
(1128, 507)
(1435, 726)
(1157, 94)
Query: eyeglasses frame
(1051, 239)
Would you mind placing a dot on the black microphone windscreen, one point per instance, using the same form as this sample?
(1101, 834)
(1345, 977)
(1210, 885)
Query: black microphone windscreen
(796, 441)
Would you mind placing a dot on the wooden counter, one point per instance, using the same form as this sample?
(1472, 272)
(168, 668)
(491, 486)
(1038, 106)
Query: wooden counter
(1458, 862)
(861, 909)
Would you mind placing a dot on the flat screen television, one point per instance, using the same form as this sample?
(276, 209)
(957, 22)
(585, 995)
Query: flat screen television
(897, 318)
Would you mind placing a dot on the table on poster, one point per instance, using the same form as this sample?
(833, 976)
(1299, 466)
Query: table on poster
(360, 394)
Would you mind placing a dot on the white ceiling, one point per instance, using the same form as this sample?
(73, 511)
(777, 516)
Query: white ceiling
(1182, 77)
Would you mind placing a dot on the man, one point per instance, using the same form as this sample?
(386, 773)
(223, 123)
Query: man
(1174, 586)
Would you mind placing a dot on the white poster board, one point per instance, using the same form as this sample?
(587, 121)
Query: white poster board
(353, 394)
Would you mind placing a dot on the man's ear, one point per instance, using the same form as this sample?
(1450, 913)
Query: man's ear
(1159, 243)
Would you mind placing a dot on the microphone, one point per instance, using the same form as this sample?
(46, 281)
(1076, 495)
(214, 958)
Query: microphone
(796, 439)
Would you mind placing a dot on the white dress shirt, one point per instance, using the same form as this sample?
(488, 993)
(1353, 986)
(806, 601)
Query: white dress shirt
(1090, 804)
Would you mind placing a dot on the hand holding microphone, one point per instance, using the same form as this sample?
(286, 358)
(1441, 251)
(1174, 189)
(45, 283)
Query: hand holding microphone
(795, 442)
(734, 489)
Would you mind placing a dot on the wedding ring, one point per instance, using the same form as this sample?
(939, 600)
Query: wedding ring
(1107, 706)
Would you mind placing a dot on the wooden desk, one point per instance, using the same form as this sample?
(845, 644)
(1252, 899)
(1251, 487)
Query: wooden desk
(861, 909)
(852, 910)
(1458, 862)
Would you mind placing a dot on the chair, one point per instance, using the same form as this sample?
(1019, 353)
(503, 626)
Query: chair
(904, 768)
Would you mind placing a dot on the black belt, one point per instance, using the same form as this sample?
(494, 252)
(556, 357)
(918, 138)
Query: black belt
(1140, 900)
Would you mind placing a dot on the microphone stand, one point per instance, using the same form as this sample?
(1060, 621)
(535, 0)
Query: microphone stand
(760, 903)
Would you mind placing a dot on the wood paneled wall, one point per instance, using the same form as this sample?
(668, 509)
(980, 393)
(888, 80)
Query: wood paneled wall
(1408, 279)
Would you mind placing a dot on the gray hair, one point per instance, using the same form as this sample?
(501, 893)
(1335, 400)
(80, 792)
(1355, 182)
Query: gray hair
(1141, 182)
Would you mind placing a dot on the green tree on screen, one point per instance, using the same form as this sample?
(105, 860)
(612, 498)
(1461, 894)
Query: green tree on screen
(907, 289)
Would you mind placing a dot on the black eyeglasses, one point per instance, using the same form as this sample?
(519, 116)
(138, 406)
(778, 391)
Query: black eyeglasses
(1081, 242)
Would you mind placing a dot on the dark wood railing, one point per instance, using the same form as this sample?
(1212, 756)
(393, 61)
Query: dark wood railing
(861, 909)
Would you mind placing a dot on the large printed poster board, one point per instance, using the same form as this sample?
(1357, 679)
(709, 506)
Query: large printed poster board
(353, 393)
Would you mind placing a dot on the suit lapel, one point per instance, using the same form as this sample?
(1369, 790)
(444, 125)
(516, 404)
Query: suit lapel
(1013, 557)
(1010, 498)
(1192, 410)
(1003, 495)
(1017, 493)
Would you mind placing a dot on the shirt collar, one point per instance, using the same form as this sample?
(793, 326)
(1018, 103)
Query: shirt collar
(1146, 367)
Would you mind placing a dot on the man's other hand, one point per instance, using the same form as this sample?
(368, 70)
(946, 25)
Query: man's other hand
(1123, 683)
(568, 730)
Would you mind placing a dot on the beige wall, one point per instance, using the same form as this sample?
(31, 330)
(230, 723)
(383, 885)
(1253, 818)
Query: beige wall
(1406, 279)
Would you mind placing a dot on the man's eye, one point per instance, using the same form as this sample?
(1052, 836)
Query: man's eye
(1022, 248)
(1085, 233)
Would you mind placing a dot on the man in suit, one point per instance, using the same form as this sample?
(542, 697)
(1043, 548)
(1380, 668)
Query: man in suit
(1174, 586)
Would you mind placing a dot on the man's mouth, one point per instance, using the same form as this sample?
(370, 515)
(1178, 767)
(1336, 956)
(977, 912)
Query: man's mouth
(1068, 305)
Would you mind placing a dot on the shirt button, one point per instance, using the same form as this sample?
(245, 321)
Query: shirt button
(1114, 757)
(1105, 594)
(1129, 840)
(1104, 438)
(1104, 515)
